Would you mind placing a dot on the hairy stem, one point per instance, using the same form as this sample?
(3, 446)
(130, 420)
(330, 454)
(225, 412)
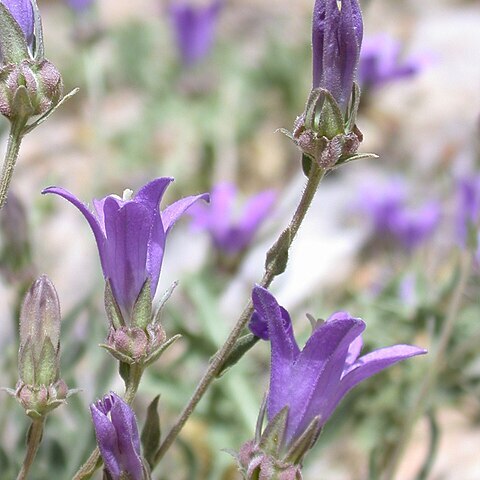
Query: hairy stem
(219, 358)
(437, 361)
(94, 461)
(34, 437)
(14, 140)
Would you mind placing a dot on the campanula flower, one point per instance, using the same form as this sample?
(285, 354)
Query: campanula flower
(117, 437)
(380, 62)
(131, 235)
(231, 233)
(194, 28)
(311, 382)
(336, 41)
(22, 12)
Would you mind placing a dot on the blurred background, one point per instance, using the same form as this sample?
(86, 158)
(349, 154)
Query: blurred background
(200, 96)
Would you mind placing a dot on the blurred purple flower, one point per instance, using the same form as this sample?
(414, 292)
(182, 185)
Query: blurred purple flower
(413, 227)
(229, 234)
(80, 5)
(131, 236)
(386, 205)
(22, 12)
(313, 381)
(194, 28)
(380, 62)
(336, 41)
(117, 437)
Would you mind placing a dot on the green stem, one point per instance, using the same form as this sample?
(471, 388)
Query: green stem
(34, 437)
(437, 361)
(223, 353)
(14, 140)
(94, 461)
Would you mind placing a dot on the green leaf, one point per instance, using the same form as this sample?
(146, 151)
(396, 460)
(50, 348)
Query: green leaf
(151, 432)
(277, 257)
(12, 40)
(241, 347)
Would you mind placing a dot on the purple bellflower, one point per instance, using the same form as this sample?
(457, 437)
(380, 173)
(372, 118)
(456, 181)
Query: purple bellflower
(311, 382)
(22, 12)
(131, 235)
(228, 234)
(194, 28)
(117, 437)
(380, 62)
(336, 41)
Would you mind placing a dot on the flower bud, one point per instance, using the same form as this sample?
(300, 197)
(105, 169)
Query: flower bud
(39, 388)
(336, 40)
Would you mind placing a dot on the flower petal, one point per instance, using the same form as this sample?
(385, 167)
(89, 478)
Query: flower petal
(174, 211)
(369, 365)
(283, 348)
(107, 441)
(95, 225)
(123, 419)
(255, 212)
(128, 232)
(319, 368)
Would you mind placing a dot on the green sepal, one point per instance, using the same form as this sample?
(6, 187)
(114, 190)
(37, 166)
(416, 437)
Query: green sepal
(151, 432)
(352, 158)
(142, 310)
(277, 257)
(241, 347)
(26, 363)
(22, 104)
(303, 444)
(47, 114)
(163, 301)
(328, 120)
(118, 355)
(272, 437)
(39, 47)
(353, 108)
(311, 107)
(153, 357)
(112, 309)
(47, 368)
(12, 39)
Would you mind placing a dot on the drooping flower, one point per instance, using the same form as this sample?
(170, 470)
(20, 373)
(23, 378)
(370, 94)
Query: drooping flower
(22, 12)
(117, 437)
(336, 41)
(230, 233)
(131, 235)
(381, 63)
(194, 28)
(311, 382)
